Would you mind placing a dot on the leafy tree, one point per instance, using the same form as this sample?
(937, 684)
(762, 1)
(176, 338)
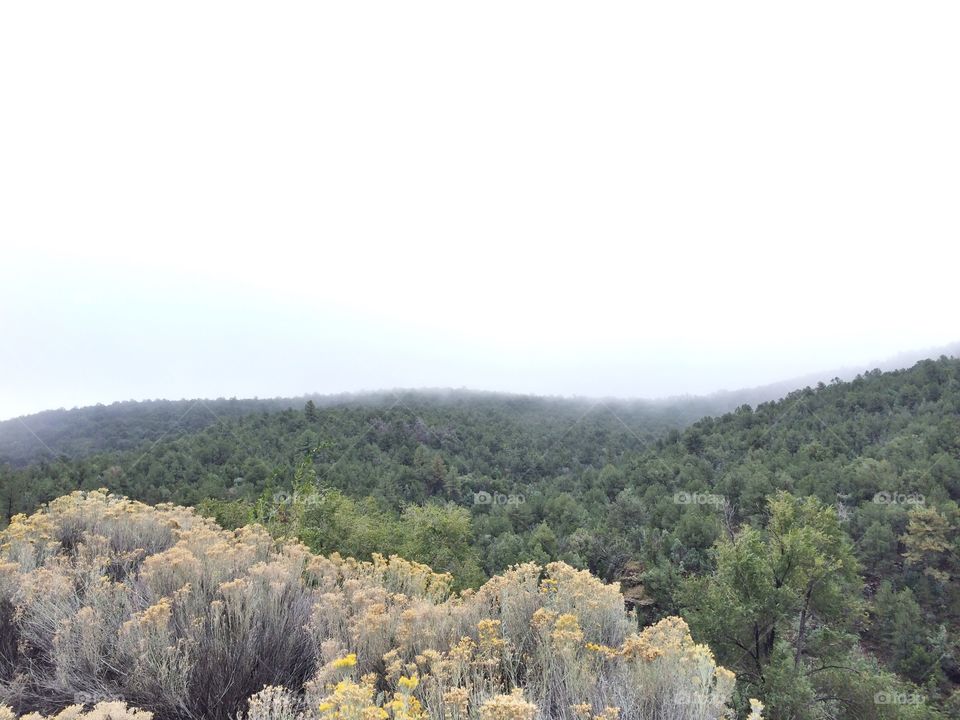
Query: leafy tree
(442, 537)
(928, 543)
(772, 589)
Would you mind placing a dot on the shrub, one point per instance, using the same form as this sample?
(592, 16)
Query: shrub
(101, 597)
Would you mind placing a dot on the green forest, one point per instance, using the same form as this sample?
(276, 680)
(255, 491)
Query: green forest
(811, 542)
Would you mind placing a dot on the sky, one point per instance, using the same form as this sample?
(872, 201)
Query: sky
(629, 199)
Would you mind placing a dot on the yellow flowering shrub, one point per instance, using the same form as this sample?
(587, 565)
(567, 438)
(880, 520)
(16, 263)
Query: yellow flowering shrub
(491, 642)
(566, 631)
(456, 702)
(351, 701)
(346, 662)
(161, 607)
(671, 668)
(508, 707)
(404, 706)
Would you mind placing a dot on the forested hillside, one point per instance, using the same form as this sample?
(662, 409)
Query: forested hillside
(366, 446)
(131, 425)
(811, 542)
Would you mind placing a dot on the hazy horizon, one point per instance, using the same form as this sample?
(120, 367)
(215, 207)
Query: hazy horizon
(621, 200)
(888, 363)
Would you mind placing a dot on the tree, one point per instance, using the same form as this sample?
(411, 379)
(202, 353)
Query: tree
(928, 543)
(788, 590)
(442, 537)
(878, 549)
(900, 627)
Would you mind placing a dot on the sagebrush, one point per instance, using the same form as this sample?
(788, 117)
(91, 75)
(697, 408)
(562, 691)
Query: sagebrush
(159, 609)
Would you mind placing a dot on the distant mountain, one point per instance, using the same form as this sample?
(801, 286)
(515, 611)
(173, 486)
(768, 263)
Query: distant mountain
(125, 426)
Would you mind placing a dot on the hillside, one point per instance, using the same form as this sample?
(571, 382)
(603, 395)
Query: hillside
(812, 542)
(129, 425)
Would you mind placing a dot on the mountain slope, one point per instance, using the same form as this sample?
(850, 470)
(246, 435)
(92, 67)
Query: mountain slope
(124, 426)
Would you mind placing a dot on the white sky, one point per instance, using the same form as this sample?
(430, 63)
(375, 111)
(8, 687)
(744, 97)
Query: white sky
(643, 199)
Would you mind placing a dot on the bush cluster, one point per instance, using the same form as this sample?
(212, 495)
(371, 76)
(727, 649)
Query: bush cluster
(159, 609)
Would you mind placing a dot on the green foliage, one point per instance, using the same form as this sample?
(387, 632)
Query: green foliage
(441, 537)
(691, 517)
(781, 605)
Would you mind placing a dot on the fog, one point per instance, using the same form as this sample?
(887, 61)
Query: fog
(210, 200)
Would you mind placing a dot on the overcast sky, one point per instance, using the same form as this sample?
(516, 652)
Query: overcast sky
(636, 199)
